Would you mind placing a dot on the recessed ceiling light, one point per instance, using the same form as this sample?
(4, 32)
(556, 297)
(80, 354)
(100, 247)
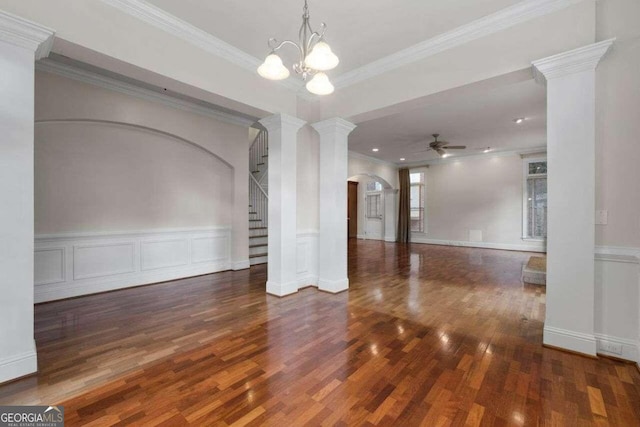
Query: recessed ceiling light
(519, 120)
(486, 150)
(375, 150)
(402, 159)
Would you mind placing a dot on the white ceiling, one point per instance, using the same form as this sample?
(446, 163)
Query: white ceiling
(359, 31)
(477, 120)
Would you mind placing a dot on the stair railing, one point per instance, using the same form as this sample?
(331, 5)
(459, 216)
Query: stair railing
(259, 201)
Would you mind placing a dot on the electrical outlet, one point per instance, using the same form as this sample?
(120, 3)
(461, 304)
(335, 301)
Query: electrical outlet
(602, 217)
(610, 347)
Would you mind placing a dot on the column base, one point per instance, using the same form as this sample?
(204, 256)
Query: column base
(333, 286)
(577, 342)
(282, 289)
(240, 265)
(19, 365)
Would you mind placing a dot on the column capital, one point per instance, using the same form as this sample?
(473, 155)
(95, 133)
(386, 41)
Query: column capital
(281, 120)
(26, 34)
(574, 61)
(334, 124)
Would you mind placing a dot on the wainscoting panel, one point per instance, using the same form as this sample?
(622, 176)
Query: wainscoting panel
(307, 261)
(69, 265)
(617, 302)
(49, 266)
(164, 253)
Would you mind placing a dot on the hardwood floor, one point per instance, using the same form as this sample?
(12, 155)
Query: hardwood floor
(426, 335)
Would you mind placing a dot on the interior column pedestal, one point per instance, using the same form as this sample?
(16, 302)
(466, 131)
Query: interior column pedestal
(570, 78)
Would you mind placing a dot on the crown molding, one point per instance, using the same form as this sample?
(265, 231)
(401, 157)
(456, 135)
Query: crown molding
(78, 74)
(278, 121)
(490, 24)
(522, 152)
(334, 124)
(574, 61)
(26, 34)
(372, 159)
(165, 21)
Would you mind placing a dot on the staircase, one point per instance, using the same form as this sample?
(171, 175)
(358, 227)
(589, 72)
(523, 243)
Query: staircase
(258, 199)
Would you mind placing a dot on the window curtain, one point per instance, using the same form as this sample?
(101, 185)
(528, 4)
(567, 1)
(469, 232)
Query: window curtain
(404, 213)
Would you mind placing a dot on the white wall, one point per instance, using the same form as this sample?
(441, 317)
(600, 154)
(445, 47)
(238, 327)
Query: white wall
(92, 177)
(155, 192)
(365, 165)
(476, 193)
(617, 314)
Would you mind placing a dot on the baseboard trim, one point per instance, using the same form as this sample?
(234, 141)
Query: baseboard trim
(576, 342)
(241, 265)
(18, 366)
(308, 281)
(333, 286)
(629, 348)
(539, 247)
(282, 289)
(64, 290)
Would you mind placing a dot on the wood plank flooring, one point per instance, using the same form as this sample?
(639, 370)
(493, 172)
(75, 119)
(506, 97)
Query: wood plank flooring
(426, 335)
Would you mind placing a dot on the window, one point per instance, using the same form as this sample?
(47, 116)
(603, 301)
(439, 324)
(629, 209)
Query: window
(535, 199)
(373, 206)
(417, 201)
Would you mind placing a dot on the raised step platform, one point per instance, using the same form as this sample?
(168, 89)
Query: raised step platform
(535, 271)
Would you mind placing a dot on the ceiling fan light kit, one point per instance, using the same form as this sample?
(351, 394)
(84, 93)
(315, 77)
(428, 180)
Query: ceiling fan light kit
(316, 57)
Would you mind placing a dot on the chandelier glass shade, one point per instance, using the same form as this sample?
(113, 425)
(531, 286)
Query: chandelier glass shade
(315, 57)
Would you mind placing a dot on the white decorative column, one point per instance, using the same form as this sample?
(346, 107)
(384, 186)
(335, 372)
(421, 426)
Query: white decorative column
(570, 78)
(390, 215)
(281, 268)
(332, 246)
(21, 43)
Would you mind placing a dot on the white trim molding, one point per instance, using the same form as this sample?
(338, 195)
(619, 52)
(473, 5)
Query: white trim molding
(104, 82)
(26, 34)
(621, 348)
(574, 61)
(522, 152)
(361, 156)
(70, 265)
(618, 254)
(534, 247)
(19, 365)
(506, 18)
(570, 340)
(171, 24)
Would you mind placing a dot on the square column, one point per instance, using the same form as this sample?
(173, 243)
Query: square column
(281, 268)
(334, 159)
(390, 214)
(21, 43)
(570, 78)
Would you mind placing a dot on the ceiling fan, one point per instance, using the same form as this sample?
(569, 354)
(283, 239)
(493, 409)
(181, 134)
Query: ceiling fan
(440, 146)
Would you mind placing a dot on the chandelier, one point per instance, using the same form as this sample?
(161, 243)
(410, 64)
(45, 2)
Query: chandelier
(315, 58)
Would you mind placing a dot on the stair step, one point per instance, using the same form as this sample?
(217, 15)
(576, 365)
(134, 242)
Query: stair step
(253, 213)
(258, 228)
(266, 155)
(258, 246)
(255, 220)
(259, 236)
(255, 171)
(258, 255)
(260, 164)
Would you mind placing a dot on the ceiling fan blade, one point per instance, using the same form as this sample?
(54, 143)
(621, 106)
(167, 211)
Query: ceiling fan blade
(455, 147)
(440, 151)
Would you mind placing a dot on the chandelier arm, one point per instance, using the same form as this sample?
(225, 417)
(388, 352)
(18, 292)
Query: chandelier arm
(275, 48)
